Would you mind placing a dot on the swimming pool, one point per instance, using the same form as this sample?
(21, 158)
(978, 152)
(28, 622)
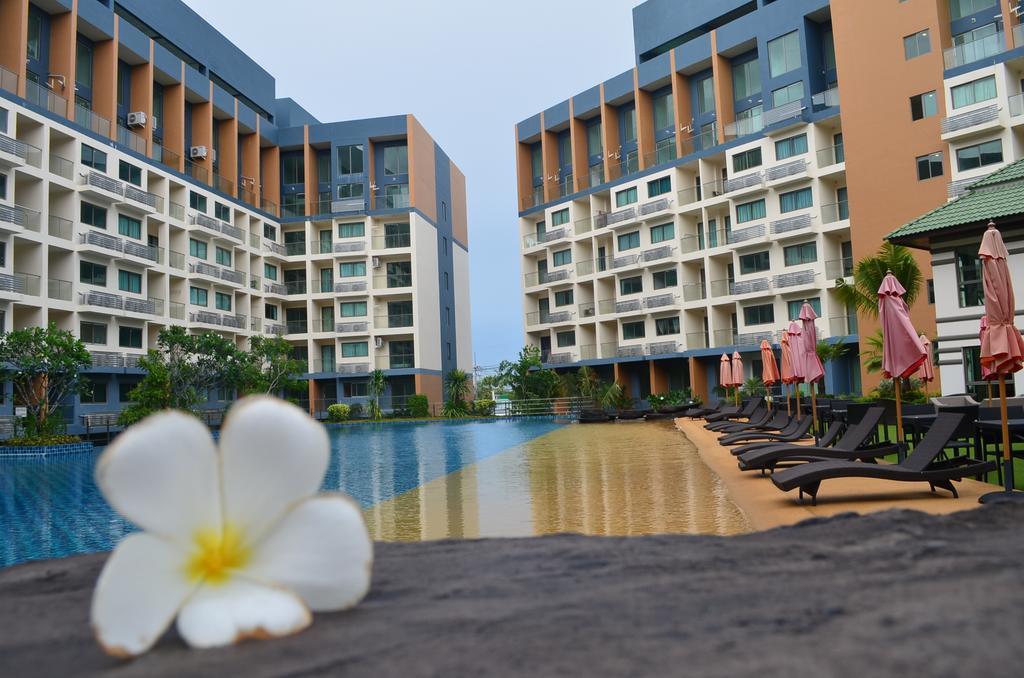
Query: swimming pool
(428, 480)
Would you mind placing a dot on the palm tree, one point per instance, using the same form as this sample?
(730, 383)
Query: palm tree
(872, 357)
(588, 384)
(377, 385)
(457, 387)
(869, 272)
(753, 387)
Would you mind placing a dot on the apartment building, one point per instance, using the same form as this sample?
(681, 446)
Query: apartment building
(149, 176)
(689, 206)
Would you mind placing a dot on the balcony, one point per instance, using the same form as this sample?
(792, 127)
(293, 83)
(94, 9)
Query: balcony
(980, 48)
(131, 140)
(228, 320)
(348, 205)
(548, 317)
(92, 121)
(45, 98)
(654, 207)
(660, 301)
(794, 279)
(347, 247)
(831, 155)
(749, 286)
(786, 170)
(58, 289)
(392, 281)
(150, 200)
(270, 207)
(625, 261)
(842, 326)
(533, 240)
(839, 268)
(117, 361)
(609, 349)
(689, 244)
(978, 120)
(176, 260)
(744, 127)
(657, 253)
(274, 248)
(115, 244)
(275, 329)
(635, 351)
(955, 189)
(560, 359)
(102, 186)
(197, 172)
(347, 287)
(391, 242)
(176, 211)
(791, 224)
(20, 283)
(297, 326)
(20, 217)
(223, 184)
(353, 368)
(662, 348)
(354, 327)
(14, 153)
(8, 80)
(391, 201)
(788, 111)
(831, 213)
(295, 249)
(745, 234)
(270, 287)
(150, 306)
(539, 278)
(176, 310)
(218, 226)
(588, 352)
(827, 99)
(664, 152)
(587, 310)
(295, 287)
(396, 361)
(755, 180)
(166, 157)
(612, 218)
(62, 167)
(101, 300)
(689, 196)
(694, 292)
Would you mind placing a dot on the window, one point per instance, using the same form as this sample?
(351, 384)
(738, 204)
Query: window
(355, 269)
(560, 218)
(784, 95)
(94, 158)
(127, 281)
(197, 296)
(634, 330)
(222, 211)
(958, 9)
(784, 54)
(665, 326)
(124, 391)
(353, 309)
(93, 390)
(270, 311)
(923, 106)
(355, 349)
(915, 45)
(628, 241)
(83, 63)
(796, 200)
(565, 339)
(93, 333)
(197, 249)
(222, 301)
(973, 157)
(746, 160)
(293, 169)
(537, 161)
(130, 173)
(270, 271)
(35, 31)
(804, 253)
(755, 263)
(396, 160)
(197, 201)
(564, 298)
(92, 274)
(705, 96)
(561, 258)
(351, 230)
(663, 279)
(663, 115)
(270, 232)
(977, 43)
(350, 191)
(3, 260)
(94, 215)
(787, 148)
(129, 227)
(749, 211)
(793, 307)
(631, 285)
(749, 121)
(626, 197)
(663, 232)
(974, 92)
(971, 291)
(929, 166)
(223, 256)
(594, 143)
(3, 186)
(659, 187)
(746, 79)
(763, 314)
(129, 337)
(628, 116)
(350, 159)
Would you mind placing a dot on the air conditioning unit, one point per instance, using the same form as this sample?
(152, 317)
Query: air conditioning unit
(137, 119)
(378, 342)
(376, 262)
(198, 152)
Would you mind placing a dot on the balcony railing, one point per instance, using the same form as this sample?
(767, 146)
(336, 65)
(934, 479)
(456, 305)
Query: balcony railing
(839, 268)
(297, 326)
(657, 253)
(352, 327)
(588, 352)
(176, 260)
(27, 152)
(270, 207)
(980, 48)
(8, 80)
(166, 157)
(197, 172)
(538, 278)
(745, 234)
(176, 310)
(59, 227)
(45, 98)
(980, 116)
(791, 224)
(832, 155)
(62, 167)
(749, 286)
(295, 286)
(746, 181)
(392, 281)
(794, 279)
(559, 358)
(660, 301)
(695, 340)
(609, 349)
(91, 120)
(130, 139)
(955, 189)
(787, 169)
(101, 299)
(393, 241)
(102, 181)
(351, 246)
(827, 99)
(603, 219)
(393, 320)
(270, 287)
(223, 184)
(391, 201)
(144, 197)
(350, 286)
(20, 283)
(294, 249)
(787, 111)
(839, 211)
(842, 326)
(176, 211)
(655, 206)
(17, 215)
(694, 292)
(587, 310)
(662, 348)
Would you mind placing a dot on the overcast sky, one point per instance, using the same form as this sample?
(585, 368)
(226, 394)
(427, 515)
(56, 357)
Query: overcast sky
(469, 70)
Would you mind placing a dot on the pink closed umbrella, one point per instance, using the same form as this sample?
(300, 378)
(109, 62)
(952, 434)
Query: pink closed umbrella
(927, 371)
(1002, 348)
(769, 368)
(796, 357)
(725, 373)
(814, 371)
(786, 374)
(902, 353)
(737, 373)
(986, 374)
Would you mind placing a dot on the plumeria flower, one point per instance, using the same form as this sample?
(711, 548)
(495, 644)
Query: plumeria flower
(235, 543)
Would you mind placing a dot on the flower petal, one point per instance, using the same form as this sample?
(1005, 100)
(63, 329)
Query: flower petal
(138, 593)
(223, 615)
(272, 455)
(162, 474)
(321, 550)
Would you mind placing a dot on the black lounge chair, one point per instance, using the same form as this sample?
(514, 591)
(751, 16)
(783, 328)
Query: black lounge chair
(852, 446)
(775, 421)
(920, 467)
(759, 416)
(594, 416)
(796, 430)
(743, 413)
(697, 412)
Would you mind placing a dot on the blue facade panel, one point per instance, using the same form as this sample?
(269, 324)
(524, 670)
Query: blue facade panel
(588, 102)
(656, 22)
(650, 72)
(197, 85)
(134, 41)
(445, 260)
(695, 55)
(166, 65)
(246, 118)
(97, 21)
(288, 113)
(530, 128)
(291, 138)
(618, 87)
(557, 115)
(223, 102)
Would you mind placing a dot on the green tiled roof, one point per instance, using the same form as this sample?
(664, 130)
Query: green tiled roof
(1000, 194)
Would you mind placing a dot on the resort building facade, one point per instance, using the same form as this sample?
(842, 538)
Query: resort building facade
(149, 177)
(688, 207)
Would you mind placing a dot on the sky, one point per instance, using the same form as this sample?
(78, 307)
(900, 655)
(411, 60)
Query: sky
(469, 71)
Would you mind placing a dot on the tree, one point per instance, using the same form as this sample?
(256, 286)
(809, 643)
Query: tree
(44, 365)
(869, 272)
(587, 383)
(376, 386)
(457, 387)
(872, 357)
(754, 387)
(490, 386)
(270, 366)
(516, 375)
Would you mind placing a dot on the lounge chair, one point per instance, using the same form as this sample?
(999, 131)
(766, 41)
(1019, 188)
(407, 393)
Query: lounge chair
(775, 421)
(743, 413)
(833, 431)
(852, 446)
(760, 415)
(796, 430)
(920, 467)
(696, 412)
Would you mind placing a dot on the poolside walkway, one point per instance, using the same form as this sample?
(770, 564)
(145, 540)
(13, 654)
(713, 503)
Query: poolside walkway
(767, 507)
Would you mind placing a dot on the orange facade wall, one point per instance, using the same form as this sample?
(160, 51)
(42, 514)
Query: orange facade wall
(227, 160)
(104, 77)
(430, 385)
(681, 101)
(63, 37)
(698, 380)
(460, 217)
(270, 174)
(422, 181)
(610, 135)
(881, 141)
(721, 69)
(524, 171)
(173, 124)
(142, 95)
(202, 129)
(14, 38)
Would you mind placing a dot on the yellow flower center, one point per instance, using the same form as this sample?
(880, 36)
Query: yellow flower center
(216, 554)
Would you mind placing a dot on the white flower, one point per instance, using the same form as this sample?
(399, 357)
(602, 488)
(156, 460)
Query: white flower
(235, 543)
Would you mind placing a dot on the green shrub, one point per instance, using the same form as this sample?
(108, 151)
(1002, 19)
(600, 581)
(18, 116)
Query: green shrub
(484, 408)
(355, 411)
(338, 412)
(418, 406)
(41, 440)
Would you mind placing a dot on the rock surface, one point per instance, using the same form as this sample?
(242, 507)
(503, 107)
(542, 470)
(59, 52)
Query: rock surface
(889, 594)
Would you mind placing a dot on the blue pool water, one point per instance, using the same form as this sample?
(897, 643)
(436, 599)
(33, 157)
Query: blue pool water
(50, 507)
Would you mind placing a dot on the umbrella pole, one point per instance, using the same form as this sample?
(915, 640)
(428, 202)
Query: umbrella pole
(990, 392)
(814, 413)
(789, 403)
(899, 411)
(796, 387)
(1007, 450)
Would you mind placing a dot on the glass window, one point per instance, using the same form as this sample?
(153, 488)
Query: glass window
(350, 191)
(561, 258)
(355, 349)
(270, 271)
(755, 262)
(560, 218)
(93, 215)
(353, 309)
(396, 160)
(197, 201)
(270, 311)
(222, 301)
(130, 173)
(804, 253)
(793, 307)
(663, 279)
(662, 233)
(763, 314)
(351, 230)
(197, 296)
(129, 227)
(929, 166)
(536, 161)
(977, 43)
(626, 197)
(3, 186)
(746, 160)
(958, 9)
(787, 148)
(784, 95)
(749, 211)
(706, 96)
(130, 337)
(350, 159)
(35, 31)
(664, 117)
(974, 92)
(923, 106)
(917, 44)
(222, 211)
(784, 54)
(628, 124)
(746, 79)
(973, 157)
(270, 232)
(197, 248)
(796, 200)
(564, 298)
(92, 274)
(355, 269)
(565, 339)
(223, 256)
(629, 241)
(666, 326)
(93, 390)
(659, 187)
(634, 330)
(128, 281)
(83, 63)
(595, 145)
(94, 158)
(971, 290)
(633, 285)
(293, 169)
(93, 333)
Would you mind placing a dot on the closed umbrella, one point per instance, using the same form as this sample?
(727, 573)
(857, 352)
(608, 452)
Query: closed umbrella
(769, 368)
(1002, 349)
(902, 353)
(796, 355)
(786, 374)
(737, 373)
(986, 373)
(725, 373)
(814, 371)
(927, 371)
